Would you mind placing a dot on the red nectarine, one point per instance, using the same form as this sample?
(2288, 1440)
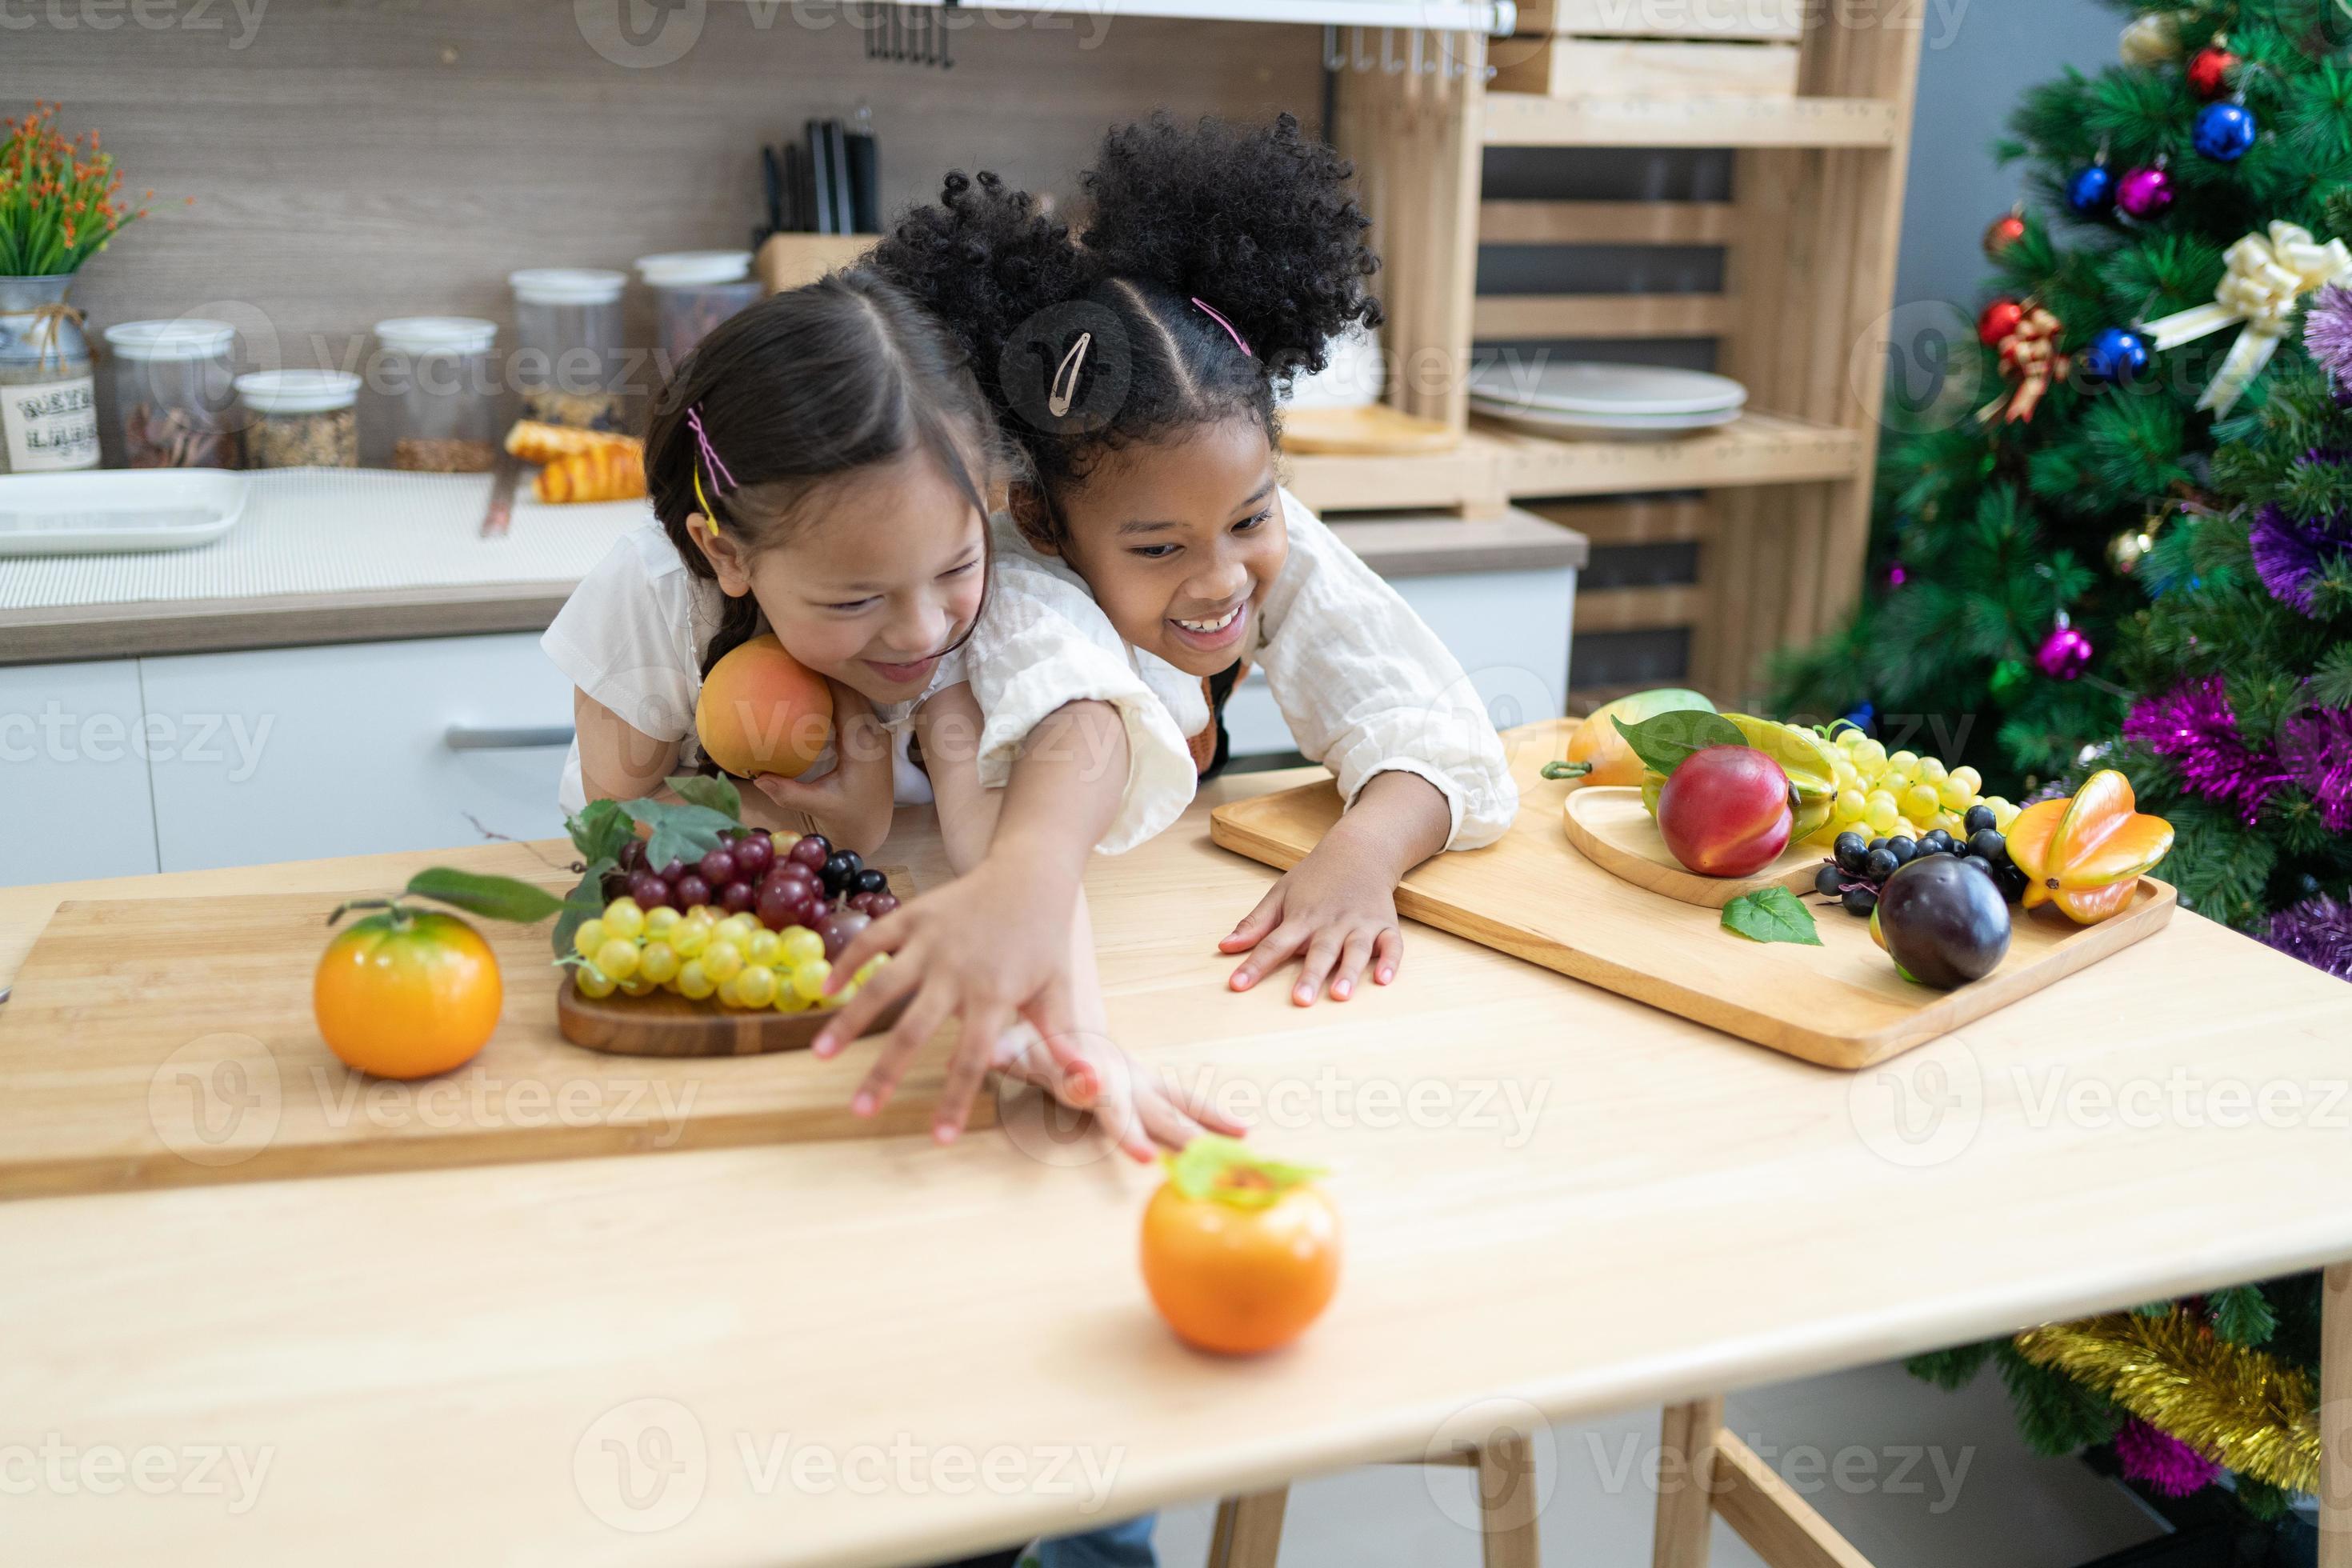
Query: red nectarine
(764, 711)
(1726, 811)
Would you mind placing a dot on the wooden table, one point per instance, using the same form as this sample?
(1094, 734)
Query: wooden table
(1559, 1203)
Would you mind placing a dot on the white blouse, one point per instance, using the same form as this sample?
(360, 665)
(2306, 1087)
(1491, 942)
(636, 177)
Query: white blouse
(632, 636)
(1364, 685)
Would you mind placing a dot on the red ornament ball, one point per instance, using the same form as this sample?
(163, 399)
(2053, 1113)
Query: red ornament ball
(2144, 193)
(2001, 233)
(2209, 71)
(1997, 321)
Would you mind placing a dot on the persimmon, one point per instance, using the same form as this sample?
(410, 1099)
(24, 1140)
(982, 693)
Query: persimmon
(1239, 1254)
(406, 992)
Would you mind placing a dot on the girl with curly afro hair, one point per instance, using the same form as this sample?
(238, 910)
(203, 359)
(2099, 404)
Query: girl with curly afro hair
(1134, 367)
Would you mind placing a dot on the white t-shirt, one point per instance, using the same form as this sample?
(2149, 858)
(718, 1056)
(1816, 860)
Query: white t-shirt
(632, 636)
(1365, 686)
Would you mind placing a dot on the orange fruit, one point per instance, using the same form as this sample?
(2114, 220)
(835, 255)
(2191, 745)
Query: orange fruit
(407, 994)
(1239, 1254)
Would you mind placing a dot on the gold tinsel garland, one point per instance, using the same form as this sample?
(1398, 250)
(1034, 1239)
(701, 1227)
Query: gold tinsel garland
(2238, 1407)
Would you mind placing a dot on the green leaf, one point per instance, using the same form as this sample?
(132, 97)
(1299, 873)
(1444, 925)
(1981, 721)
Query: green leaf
(492, 898)
(681, 830)
(600, 830)
(1662, 741)
(587, 900)
(1220, 1169)
(1772, 914)
(717, 792)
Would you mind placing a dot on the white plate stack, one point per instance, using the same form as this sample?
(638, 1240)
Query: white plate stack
(1583, 399)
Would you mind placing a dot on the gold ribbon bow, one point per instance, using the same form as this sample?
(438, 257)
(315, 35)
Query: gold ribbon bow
(2031, 354)
(2268, 276)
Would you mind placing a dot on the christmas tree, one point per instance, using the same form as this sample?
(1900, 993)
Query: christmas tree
(2139, 556)
(2243, 733)
(2015, 513)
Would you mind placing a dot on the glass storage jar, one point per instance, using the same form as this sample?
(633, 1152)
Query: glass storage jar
(694, 290)
(300, 418)
(435, 375)
(173, 394)
(48, 399)
(569, 359)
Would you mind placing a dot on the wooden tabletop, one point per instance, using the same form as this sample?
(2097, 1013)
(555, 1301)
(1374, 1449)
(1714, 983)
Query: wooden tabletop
(1557, 1202)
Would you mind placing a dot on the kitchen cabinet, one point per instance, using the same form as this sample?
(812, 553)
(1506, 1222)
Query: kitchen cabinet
(73, 772)
(357, 747)
(1509, 629)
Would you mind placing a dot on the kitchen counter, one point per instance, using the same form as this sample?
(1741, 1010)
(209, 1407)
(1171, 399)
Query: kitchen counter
(1558, 1203)
(365, 555)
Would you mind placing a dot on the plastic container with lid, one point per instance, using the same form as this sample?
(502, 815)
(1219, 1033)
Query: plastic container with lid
(434, 372)
(301, 418)
(569, 358)
(173, 394)
(694, 290)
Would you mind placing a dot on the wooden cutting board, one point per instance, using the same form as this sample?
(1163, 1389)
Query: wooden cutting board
(1609, 827)
(169, 1042)
(1532, 895)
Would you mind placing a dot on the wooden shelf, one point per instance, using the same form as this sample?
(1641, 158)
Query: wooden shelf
(1467, 479)
(1757, 449)
(1494, 466)
(1527, 119)
(1656, 607)
(1599, 316)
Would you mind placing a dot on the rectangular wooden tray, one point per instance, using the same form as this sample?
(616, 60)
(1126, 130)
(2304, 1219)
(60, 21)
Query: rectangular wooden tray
(169, 1042)
(1532, 895)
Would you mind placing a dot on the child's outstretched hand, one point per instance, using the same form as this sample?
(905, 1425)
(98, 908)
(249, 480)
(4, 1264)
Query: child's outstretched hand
(1337, 908)
(1138, 1107)
(852, 805)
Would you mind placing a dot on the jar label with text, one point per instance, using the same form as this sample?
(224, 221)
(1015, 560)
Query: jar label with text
(52, 425)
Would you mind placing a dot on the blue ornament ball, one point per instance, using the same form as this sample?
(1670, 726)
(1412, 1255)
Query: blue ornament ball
(2092, 191)
(2224, 132)
(1863, 716)
(2118, 353)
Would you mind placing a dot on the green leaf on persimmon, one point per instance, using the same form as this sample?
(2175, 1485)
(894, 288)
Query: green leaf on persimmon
(1221, 1170)
(1664, 739)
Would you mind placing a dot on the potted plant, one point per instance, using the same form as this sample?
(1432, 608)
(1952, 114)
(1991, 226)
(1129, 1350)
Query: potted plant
(60, 205)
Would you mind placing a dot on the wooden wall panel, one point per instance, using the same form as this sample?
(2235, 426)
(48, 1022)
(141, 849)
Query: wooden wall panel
(374, 158)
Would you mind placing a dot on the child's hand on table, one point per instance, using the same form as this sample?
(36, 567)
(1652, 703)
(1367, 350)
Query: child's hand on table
(1337, 908)
(851, 806)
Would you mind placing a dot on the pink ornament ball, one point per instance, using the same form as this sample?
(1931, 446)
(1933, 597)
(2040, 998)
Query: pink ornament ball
(2145, 193)
(2064, 654)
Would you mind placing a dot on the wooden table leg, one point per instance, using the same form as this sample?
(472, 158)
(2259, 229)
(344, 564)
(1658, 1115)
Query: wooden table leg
(1508, 1501)
(2335, 1417)
(1249, 1530)
(1685, 1468)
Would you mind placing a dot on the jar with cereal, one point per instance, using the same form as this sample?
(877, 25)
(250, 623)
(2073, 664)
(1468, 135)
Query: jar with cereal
(569, 359)
(300, 418)
(435, 376)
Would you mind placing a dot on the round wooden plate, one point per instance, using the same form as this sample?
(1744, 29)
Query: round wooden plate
(667, 1025)
(1608, 824)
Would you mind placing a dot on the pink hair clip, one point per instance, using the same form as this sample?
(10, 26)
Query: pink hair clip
(1209, 310)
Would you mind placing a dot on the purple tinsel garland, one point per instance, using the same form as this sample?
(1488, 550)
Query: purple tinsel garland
(2289, 554)
(2162, 1462)
(2316, 745)
(2328, 332)
(2316, 930)
(2192, 725)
